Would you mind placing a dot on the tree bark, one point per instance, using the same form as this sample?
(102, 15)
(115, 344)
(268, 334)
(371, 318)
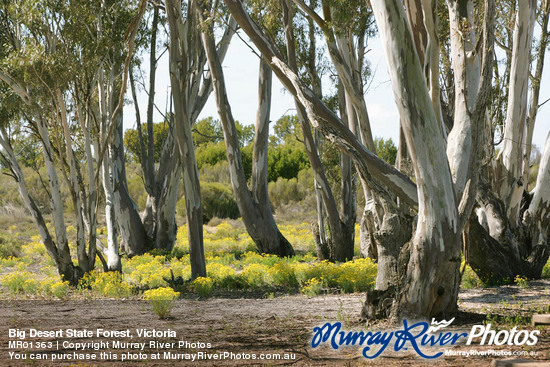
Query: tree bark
(338, 245)
(508, 178)
(184, 40)
(431, 275)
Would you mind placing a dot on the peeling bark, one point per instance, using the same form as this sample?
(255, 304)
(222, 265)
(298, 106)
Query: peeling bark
(431, 274)
(508, 177)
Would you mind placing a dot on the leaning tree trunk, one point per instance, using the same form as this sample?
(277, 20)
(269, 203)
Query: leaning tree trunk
(59, 255)
(131, 230)
(167, 185)
(65, 266)
(257, 216)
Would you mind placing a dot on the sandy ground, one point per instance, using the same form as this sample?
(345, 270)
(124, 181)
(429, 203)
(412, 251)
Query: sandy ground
(253, 327)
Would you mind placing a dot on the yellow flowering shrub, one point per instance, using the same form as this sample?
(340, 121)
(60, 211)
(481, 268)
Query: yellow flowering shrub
(203, 286)
(325, 271)
(35, 249)
(162, 300)
(20, 282)
(255, 275)
(357, 275)
(312, 287)
(10, 261)
(150, 275)
(46, 285)
(60, 289)
(283, 274)
(53, 286)
(180, 268)
(111, 284)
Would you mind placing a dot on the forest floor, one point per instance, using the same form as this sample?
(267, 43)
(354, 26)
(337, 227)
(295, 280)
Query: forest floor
(257, 327)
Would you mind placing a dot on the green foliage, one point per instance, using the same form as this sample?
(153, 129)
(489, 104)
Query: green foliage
(210, 153)
(20, 282)
(294, 190)
(386, 149)
(207, 131)
(203, 286)
(52, 286)
(9, 246)
(546, 270)
(522, 282)
(285, 161)
(133, 147)
(218, 201)
(287, 130)
(312, 287)
(470, 279)
(110, 284)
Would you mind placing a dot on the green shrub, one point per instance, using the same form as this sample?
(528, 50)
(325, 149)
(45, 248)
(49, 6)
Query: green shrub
(255, 275)
(111, 284)
(203, 286)
(218, 201)
(312, 287)
(546, 270)
(289, 191)
(522, 282)
(283, 275)
(470, 279)
(9, 247)
(60, 289)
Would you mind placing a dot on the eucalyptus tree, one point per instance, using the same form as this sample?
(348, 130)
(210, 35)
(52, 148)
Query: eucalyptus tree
(190, 88)
(72, 88)
(161, 181)
(424, 277)
(41, 82)
(253, 204)
(512, 222)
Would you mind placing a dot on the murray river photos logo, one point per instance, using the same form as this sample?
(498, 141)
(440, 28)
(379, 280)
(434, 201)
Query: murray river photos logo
(418, 336)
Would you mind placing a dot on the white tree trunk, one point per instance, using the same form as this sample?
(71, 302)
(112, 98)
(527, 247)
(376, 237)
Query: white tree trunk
(55, 191)
(183, 36)
(466, 67)
(30, 204)
(74, 181)
(432, 275)
(509, 175)
(539, 210)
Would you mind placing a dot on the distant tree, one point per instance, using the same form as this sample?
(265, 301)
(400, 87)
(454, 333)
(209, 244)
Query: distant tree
(132, 144)
(386, 149)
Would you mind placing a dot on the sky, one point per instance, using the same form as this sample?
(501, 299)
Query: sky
(241, 75)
